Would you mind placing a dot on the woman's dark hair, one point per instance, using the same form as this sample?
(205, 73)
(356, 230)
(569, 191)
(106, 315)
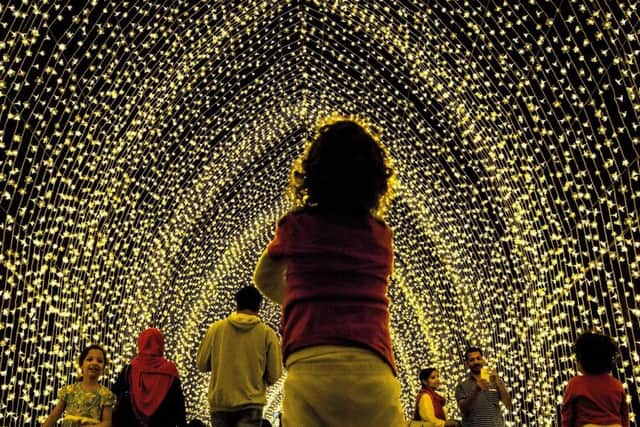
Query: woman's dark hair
(344, 170)
(86, 351)
(595, 352)
(426, 373)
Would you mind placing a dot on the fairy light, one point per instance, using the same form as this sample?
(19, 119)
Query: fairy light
(146, 147)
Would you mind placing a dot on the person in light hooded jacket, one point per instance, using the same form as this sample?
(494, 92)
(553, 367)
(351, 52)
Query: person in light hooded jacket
(243, 356)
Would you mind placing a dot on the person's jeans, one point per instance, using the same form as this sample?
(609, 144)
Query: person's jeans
(250, 417)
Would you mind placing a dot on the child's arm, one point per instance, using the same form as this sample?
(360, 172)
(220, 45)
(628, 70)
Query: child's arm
(55, 414)
(624, 411)
(567, 414)
(568, 408)
(269, 277)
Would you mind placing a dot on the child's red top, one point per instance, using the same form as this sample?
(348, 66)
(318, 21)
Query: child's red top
(336, 284)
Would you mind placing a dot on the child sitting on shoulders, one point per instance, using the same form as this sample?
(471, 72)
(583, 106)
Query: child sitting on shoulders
(329, 266)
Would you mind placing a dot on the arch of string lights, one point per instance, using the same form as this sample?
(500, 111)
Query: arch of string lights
(146, 147)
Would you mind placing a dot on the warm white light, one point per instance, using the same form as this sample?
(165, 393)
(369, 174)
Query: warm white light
(146, 148)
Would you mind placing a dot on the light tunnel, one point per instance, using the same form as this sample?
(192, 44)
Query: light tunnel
(147, 145)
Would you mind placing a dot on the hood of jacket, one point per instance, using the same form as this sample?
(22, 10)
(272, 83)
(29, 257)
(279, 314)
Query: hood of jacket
(243, 321)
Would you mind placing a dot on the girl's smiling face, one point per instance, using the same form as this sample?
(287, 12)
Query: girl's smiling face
(93, 364)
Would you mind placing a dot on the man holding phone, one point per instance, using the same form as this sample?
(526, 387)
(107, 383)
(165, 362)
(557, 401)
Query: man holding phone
(480, 394)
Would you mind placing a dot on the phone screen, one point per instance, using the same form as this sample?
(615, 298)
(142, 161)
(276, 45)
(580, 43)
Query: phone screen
(484, 374)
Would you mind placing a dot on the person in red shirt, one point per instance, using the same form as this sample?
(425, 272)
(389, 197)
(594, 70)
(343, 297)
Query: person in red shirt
(329, 266)
(595, 398)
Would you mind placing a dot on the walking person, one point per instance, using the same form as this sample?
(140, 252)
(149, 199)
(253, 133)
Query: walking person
(243, 356)
(151, 387)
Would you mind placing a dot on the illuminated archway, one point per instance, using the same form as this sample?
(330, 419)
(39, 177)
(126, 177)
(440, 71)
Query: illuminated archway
(146, 147)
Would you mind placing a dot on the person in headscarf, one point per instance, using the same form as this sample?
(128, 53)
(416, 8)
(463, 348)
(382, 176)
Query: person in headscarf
(148, 389)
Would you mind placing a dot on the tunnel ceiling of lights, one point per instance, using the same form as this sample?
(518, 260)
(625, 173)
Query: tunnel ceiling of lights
(146, 147)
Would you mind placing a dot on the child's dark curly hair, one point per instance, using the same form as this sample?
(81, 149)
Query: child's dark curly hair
(595, 352)
(344, 170)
